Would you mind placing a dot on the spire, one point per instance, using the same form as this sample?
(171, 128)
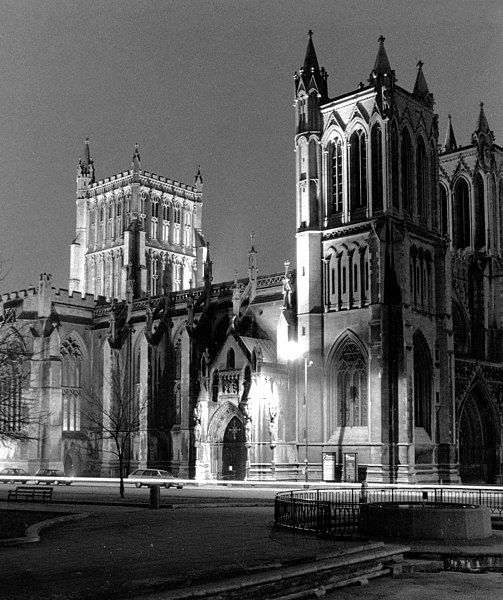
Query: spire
(383, 79)
(381, 64)
(421, 87)
(136, 159)
(482, 123)
(198, 180)
(86, 165)
(311, 78)
(483, 137)
(450, 143)
(311, 60)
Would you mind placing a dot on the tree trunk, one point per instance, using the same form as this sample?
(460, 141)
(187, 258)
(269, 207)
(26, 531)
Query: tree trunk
(121, 475)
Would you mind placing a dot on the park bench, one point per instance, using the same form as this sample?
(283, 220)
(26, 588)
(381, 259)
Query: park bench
(31, 493)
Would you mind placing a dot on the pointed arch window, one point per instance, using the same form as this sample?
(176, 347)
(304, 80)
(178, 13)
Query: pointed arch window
(119, 228)
(377, 166)
(11, 378)
(71, 364)
(358, 169)
(480, 213)
(154, 218)
(422, 180)
(444, 214)
(351, 386)
(231, 359)
(394, 167)
(422, 383)
(461, 214)
(336, 176)
(407, 170)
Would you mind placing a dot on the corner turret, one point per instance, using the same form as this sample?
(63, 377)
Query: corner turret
(310, 90)
(483, 137)
(450, 143)
(85, 168)
(383, 78)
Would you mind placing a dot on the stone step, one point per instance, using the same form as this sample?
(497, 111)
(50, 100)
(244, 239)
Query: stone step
(300, 580)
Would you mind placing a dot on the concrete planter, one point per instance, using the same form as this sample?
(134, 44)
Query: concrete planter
(425, 521)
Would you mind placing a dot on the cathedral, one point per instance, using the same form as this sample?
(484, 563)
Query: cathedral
(379, 357)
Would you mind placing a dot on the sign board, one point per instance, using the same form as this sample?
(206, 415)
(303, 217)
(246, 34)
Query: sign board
(328, 464)
(351, 467)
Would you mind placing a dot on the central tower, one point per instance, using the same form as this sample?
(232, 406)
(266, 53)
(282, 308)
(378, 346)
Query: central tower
(137, 230)
(373, 311)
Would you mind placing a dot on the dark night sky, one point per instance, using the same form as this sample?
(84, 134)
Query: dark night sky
(205, 83)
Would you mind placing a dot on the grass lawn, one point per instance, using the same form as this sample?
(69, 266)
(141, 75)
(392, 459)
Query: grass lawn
(13, 523)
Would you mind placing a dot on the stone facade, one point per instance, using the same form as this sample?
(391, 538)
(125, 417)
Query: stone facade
(378, 357)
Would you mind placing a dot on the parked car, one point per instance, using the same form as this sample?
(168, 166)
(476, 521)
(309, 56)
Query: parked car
(153, 474)
(12, 471)
(55, 475)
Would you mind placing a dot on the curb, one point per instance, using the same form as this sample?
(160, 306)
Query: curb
(32, 533)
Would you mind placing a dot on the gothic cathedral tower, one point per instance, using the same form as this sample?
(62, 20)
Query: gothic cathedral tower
(136, 231)
(372, 277)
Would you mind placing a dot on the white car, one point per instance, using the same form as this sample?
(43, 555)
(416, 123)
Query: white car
(153, 474)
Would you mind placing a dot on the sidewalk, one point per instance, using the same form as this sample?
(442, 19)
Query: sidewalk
(128, 551)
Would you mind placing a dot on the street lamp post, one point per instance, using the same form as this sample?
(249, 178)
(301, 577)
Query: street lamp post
(307, 363)
(295, 352)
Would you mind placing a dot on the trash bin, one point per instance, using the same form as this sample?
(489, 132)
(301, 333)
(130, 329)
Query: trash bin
(155, 496)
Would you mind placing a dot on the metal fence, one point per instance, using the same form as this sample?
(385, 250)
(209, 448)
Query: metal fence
(336, 513)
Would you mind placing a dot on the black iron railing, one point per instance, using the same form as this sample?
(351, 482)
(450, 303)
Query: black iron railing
(336, 513)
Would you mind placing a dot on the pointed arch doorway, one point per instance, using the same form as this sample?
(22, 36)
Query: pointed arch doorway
(478, 440)
(234, 451)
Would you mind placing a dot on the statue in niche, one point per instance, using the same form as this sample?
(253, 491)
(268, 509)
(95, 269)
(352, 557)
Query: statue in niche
(273, 422)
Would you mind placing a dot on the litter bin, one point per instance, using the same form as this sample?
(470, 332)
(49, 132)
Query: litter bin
(155, 496)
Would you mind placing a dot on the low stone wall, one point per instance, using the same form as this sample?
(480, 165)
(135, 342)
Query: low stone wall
(427, 521)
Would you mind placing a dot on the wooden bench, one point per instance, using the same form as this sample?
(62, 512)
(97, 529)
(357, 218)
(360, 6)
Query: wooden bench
(31, 493)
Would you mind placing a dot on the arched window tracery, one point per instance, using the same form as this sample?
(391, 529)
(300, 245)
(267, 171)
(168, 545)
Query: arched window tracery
(11, 380)
(71, 366)
(336, 177)
(349, 379)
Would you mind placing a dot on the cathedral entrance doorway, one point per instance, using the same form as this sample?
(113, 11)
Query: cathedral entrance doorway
(478, 441)
(72, 464)
(234, 451)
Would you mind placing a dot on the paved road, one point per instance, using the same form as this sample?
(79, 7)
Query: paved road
(433, 586)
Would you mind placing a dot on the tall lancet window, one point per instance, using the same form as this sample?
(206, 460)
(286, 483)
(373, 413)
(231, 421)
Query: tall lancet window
(358, 170)
(336, 176)
(461, 215)
(407, 170)
(422, 180)
(71, 358)
(377, 175)
(422, 383)
(394, 167)
(480, 213)
(444, 212)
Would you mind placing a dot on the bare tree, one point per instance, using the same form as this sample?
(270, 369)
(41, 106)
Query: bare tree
(114, 413)
(18, 413)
